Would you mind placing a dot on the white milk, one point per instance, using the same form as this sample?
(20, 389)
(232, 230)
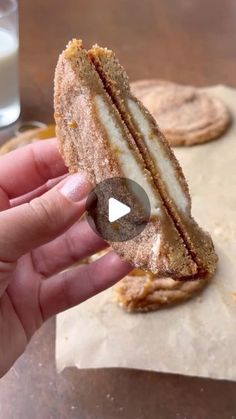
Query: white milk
(9, 95)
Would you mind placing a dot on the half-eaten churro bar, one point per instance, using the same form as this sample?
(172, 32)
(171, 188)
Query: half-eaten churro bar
(104, 130)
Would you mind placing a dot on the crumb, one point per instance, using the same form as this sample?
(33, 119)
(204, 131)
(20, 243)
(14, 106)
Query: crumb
(72, 124)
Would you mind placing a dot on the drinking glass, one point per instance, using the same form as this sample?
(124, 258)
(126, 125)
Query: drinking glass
(9, 44)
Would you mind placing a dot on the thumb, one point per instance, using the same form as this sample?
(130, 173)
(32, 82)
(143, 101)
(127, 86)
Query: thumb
(30, 225)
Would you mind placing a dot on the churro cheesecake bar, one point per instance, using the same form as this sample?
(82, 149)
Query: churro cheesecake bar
(106, 131)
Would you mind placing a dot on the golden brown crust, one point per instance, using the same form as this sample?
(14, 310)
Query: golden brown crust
(84, 144)
(186, 115)
(143, 292)
(115, 80)
(139, 293)
(17, 142)
(27, 137)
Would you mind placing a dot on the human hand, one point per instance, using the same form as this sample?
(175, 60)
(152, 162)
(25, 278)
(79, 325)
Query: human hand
(40, 236)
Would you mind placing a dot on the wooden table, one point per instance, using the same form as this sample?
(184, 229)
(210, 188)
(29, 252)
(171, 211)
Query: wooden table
(189, 41)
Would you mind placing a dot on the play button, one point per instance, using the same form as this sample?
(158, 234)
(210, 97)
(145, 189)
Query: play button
(118, 209)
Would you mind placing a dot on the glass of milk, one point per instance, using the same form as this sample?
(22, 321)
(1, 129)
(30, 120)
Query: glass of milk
(9, 42)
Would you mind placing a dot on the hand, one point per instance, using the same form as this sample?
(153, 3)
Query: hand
(40, 236)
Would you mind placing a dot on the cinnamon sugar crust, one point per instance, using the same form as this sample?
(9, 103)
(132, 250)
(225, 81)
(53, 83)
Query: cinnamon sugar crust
(115, 79)
(104, 143)
(141, 292)
(138, 292)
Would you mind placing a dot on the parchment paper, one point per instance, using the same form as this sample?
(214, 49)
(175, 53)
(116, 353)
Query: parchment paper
(197, 337)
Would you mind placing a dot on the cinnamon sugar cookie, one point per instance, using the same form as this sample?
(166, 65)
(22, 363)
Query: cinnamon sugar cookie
(27, 137)
(186, 115)
(102, 128)
(138, 292)
(142, 292)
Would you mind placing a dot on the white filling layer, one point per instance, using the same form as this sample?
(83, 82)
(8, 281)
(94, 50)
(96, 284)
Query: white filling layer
(128, 163)
(162, 162)
(156, 246)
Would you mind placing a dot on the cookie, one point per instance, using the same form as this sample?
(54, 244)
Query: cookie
(186, 115)
(139, 292)
(27, 137)
(102, 128)
(143, 292)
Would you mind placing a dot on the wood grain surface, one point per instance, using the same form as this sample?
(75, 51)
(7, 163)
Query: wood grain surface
(188, 41)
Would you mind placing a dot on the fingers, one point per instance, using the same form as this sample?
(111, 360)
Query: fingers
(4, 201)
(74, 245)
(31, 225)
(29, 167)
(6, 270)
(19, 200)
(70, 288)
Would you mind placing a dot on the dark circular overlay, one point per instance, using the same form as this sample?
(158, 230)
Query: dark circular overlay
(127, 192)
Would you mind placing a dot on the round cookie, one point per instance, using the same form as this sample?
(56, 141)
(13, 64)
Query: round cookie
(140, 293)
(185, 114)
(27, 137)
(143, 292)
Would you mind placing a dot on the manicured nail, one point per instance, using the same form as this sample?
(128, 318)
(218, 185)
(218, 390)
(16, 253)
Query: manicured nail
(76, 187)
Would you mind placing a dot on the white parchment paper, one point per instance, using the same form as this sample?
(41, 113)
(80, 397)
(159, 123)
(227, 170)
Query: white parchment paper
(195, 338)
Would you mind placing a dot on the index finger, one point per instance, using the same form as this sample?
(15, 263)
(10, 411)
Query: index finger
(29, 167)
(71, 287)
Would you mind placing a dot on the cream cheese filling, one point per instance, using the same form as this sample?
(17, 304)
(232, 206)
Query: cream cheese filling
(162, 162)
(127, 160)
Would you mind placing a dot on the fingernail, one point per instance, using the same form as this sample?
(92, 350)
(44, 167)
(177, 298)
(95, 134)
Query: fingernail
(76, 187)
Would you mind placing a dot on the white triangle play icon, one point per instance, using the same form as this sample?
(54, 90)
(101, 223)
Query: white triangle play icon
(116, 210)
